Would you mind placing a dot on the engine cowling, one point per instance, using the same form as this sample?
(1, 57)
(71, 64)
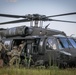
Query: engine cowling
(17, 31)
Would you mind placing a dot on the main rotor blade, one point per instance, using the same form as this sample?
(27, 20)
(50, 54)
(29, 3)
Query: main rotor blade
(16, 21)
(73, 13)
(12, 16)
(62, 21)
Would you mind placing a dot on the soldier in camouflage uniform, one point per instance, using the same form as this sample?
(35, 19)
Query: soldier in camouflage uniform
(3, 50)
(21, 46)
(14, 56)
(2, 46)
(22, 53)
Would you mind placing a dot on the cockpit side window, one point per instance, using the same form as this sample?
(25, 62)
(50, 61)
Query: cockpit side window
(51, 44)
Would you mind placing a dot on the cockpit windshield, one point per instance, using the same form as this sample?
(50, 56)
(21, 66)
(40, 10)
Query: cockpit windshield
(72, 41)
(64, 43)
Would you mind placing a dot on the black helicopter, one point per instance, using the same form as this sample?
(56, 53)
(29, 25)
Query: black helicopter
(46, 46)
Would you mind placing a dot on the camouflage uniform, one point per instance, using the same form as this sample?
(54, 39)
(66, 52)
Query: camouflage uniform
(2, 53)
(2, 49)
(22, 53)
(14, 56)
(2, 46)
(21, 46)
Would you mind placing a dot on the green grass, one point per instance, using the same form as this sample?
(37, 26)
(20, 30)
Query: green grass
(32, 71)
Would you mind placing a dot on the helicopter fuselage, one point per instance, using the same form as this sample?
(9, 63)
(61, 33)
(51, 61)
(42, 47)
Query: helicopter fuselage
(47, 50)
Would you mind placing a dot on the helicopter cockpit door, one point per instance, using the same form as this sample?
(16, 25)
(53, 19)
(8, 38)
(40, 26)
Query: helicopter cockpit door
(51, 50)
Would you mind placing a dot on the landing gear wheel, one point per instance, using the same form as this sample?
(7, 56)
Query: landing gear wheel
(62, 65)
(46, 65)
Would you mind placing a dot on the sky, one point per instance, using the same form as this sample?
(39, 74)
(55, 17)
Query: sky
(43, 7)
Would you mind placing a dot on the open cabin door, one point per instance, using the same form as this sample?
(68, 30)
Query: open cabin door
(32, 46)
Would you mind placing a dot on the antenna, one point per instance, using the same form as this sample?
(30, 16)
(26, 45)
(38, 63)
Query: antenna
(47, 26)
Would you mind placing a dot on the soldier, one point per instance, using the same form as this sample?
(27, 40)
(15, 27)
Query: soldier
(21, 46)
(22, 52)
(14, 56)
(2, 52)
(1, 61)
(2, 46)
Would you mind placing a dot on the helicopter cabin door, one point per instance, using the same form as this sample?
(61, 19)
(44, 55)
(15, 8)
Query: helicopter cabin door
(32, 46)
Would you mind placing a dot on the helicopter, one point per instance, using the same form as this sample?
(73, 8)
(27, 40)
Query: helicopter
(47, 47)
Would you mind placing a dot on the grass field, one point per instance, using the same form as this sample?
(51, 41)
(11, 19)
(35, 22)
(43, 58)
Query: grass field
(32, 71)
